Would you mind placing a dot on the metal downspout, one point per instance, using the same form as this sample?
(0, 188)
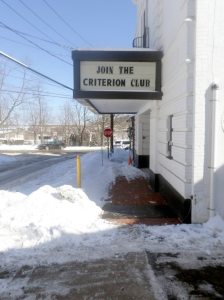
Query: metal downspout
(211, 166)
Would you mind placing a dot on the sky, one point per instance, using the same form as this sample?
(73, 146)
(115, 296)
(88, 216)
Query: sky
(45, 219)
(64, 25)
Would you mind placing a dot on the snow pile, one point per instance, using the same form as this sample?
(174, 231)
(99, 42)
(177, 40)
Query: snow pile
(48, 214)
(198, 237)
(58, 214)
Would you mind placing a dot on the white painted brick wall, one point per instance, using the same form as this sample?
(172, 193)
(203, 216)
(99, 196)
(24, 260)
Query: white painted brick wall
(193, 59)
(209, 68)
(177, 88)
(170, 33)
(181, 186)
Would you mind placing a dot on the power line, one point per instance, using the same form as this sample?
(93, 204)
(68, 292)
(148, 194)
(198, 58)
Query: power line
(45, 94)
(44, 22)
(36, 45)
(30, 80)
(65, 47)
(25, 20)
(27, 45)
(28, 89)
(66, 23)
(17, 42)
(34, 71)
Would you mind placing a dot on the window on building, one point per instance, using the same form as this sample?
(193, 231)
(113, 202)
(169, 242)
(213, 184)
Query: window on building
(170, 137)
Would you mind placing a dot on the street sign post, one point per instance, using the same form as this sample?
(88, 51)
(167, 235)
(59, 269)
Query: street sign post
(107, 133)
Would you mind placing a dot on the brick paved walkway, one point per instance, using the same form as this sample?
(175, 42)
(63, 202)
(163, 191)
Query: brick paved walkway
(134, 202)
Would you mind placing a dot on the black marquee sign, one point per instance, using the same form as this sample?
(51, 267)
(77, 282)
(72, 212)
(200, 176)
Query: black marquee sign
(117, 74)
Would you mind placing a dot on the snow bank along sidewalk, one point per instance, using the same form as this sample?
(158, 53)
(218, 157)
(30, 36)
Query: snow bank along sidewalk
(57, 222)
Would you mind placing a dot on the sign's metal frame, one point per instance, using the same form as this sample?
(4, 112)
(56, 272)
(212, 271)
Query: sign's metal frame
(118, 56)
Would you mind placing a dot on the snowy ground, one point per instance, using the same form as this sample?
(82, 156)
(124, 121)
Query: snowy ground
(5, 147)
(59, 223)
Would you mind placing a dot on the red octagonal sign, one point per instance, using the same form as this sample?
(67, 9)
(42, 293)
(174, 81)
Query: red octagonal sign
(107, 132)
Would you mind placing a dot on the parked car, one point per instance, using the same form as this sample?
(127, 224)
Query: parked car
(123, 144)
(51, 145)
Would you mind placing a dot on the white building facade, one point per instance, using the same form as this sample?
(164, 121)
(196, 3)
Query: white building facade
(181, 137)
(179, 120)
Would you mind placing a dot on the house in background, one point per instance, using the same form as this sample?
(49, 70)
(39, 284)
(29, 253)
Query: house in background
(179, 128)
(15, 135)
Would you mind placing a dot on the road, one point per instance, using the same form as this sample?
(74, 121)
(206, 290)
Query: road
(26, 164)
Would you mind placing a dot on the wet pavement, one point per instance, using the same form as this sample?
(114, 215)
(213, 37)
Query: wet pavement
(138, 276)
(118, 277)
(189, 275)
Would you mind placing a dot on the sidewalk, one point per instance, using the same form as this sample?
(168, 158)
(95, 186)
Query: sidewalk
(134, 202)
(149, 273)
(132, 276)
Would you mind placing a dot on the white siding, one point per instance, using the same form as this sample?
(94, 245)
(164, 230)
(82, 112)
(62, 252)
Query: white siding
(190, 34)
(209, 68)
(170, 33)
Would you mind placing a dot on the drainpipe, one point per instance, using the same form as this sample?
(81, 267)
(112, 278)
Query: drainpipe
(211, 166)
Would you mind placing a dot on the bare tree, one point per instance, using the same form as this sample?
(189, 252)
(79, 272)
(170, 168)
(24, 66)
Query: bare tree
(98, 123)
(33, 120)
(67, 121)
(81, 117)
(10, 100)
(38, 115)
